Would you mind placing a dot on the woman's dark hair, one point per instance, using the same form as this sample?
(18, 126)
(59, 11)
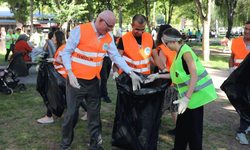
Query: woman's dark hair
(60, 38)
(50, 35)
(172, 32)
(159, 35)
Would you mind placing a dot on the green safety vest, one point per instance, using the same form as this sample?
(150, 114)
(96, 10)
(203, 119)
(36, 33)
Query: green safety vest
(17, 36)
(7, 44)
(204, 91)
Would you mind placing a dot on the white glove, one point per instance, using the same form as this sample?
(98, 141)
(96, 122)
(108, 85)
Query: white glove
(164, 70)
(231, 69)
(135, 81)
(183, 104)
(51, 60)
(115, 75)
(151, 78)
(73, 80)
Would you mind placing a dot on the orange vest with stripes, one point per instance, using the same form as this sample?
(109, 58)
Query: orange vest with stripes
(87, 58)
(239, 50)
(60, 68)
(135, 56)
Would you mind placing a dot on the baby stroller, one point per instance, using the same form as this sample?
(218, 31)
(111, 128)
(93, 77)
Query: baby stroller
(8, 76)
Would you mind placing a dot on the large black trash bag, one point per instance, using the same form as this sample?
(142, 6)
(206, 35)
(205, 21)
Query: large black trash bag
(138, 113)
(237, 88)
(51, 86)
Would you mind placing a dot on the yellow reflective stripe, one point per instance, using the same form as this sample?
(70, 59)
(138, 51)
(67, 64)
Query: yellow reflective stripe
(62, 72)
(142, 70)
(85, 62)
(136, 62)
(238, 60)
(186, 83)
(57, 67)
(89, 54)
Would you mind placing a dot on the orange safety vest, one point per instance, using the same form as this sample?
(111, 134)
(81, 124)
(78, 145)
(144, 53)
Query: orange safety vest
(117, 40)
(169, 55)
(137, 57)
(239, 50)
(60, 68)
(87, 58)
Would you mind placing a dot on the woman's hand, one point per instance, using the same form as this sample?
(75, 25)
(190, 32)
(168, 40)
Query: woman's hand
(151, 78)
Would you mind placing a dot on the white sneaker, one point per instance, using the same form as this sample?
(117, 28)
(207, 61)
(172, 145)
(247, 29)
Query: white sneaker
(248, 129)
(242, 138)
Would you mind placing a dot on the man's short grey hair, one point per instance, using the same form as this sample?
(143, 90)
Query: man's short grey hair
(23, 37)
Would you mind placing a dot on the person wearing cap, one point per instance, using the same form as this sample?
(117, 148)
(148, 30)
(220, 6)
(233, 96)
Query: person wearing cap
(195, 88)
(83, 57)
(137, 47)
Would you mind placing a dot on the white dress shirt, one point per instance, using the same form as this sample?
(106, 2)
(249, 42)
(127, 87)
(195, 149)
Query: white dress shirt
(74, 40)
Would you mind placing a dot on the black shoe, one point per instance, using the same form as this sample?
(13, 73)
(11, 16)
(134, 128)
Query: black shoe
(171, 132)
(107, 99)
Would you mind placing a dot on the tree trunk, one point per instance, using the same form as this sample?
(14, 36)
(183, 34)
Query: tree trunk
(170, 12)
(231, 6)
(31, 17)
(206, 23)
(147, 7)
(120, 16)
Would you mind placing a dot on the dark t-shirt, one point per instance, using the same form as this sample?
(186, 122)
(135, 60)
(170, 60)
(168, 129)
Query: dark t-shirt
(138, 39)
(184, 63)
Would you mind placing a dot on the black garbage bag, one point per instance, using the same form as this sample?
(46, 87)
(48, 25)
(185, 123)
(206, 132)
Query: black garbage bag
(51, 86)
(138, 113)
(237, 88)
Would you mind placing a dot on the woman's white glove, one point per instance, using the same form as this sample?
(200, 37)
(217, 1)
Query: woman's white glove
(231, 69)
(183, 104)
(115, 75)
(51, 60)
(73, 80)
(37, 67)
(136, 80)
(151, 78)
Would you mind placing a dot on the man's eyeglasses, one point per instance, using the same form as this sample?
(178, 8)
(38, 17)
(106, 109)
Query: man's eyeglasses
(110, 26)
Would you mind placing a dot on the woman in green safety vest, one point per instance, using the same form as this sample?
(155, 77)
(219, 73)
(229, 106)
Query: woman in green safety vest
(195, 89)
(10, 37)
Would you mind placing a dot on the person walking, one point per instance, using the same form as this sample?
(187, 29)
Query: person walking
(195, 89)
(83, 57)
(137, 47)
(9, 39)
(240, 49)
(18, 32)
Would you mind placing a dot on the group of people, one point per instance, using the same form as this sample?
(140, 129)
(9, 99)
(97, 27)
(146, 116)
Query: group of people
(90, 48)
(87, 56)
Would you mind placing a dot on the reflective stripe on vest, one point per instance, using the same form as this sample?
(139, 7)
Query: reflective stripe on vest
(204, 91)
(62, 72)
(239, 50)
(86, 62)
(138, 57)
(58, 67)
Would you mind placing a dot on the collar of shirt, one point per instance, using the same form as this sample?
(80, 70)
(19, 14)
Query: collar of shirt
(97, 34)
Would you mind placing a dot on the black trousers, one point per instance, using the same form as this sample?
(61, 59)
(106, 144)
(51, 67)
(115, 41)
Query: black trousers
(243, 126)
(106, 67)
(7, 54)
(89, 90)
(82, 104)
(189, 129)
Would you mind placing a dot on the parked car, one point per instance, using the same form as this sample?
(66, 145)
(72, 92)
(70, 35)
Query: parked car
(222, 30)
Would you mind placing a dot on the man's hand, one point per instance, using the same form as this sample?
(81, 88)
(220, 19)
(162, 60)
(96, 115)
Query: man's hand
(73, 80)
(115, 75)
(136, 80)
(51, 60)
(183, 104)
(151, 78)
(164, 70)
